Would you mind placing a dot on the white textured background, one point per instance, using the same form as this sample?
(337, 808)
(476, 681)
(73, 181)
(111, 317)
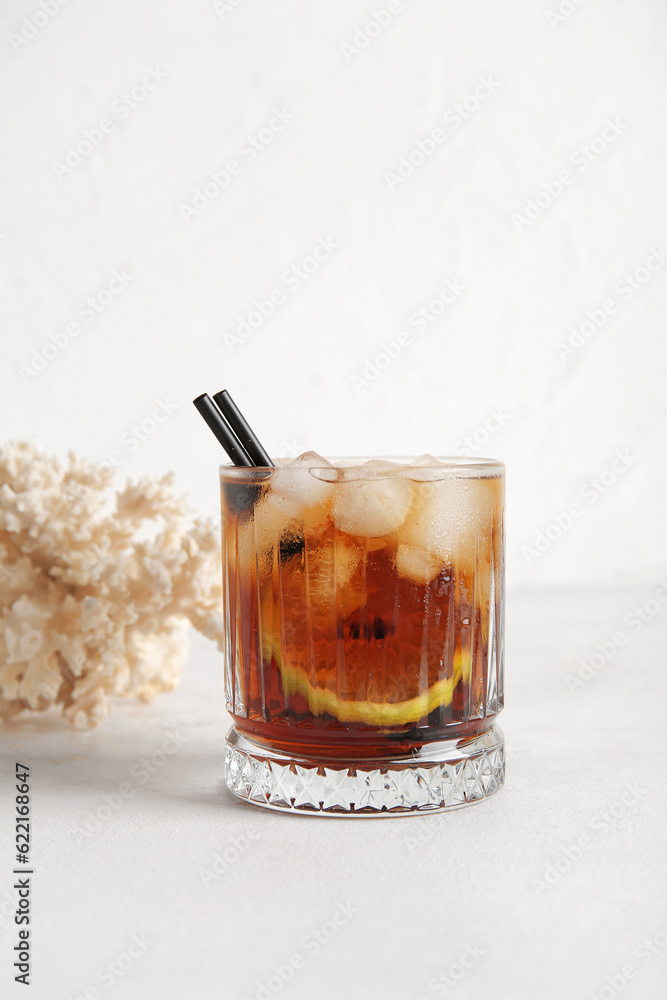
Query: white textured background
(597, 742)
(356, 111)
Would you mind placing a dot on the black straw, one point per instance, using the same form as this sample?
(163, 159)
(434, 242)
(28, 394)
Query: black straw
(247, 438)
(224, 433)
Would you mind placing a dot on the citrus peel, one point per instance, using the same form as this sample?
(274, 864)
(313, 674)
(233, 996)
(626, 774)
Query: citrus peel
(323, 700)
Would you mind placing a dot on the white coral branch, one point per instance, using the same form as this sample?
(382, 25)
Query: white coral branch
(88, 610)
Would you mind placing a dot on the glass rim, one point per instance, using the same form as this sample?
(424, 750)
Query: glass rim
(458, 466)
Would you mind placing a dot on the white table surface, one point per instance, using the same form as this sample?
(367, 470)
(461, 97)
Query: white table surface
(411, 895)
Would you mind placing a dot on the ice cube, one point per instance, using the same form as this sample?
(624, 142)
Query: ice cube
(312, 460)
(417, 564)
(327, 474)
(371, 508)
(293, 490)
(253, 534)
(292, 502)
(453, 519)
(335, 576)
(425, 468)
(375, 467)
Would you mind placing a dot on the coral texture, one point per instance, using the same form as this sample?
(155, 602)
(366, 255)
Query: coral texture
(97, 586)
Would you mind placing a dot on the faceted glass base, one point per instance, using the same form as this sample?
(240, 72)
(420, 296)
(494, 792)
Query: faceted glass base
(440, 776)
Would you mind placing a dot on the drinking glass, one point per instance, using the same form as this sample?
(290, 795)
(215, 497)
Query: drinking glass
(364, 618)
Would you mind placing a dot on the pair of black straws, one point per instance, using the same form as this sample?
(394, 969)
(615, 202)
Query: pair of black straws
(232, 430)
